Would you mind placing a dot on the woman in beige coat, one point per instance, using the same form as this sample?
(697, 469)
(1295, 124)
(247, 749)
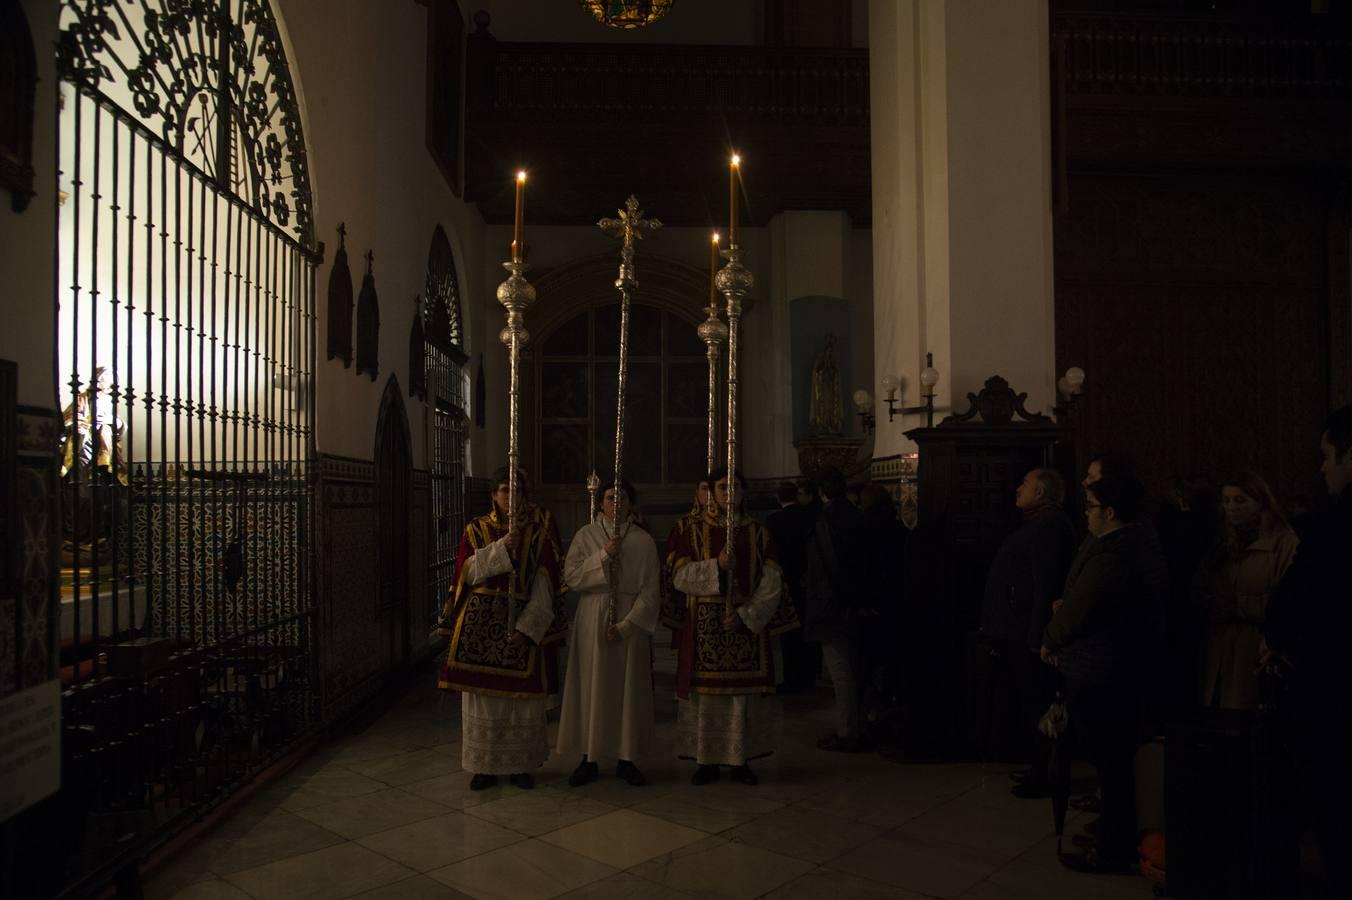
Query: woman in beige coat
(1255, 548)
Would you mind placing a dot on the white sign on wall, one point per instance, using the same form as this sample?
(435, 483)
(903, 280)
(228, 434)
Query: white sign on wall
(30, 747)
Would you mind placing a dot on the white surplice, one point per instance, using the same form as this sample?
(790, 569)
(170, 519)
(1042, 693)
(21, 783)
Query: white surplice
(608, 692)
(506, 735)
(729, 729)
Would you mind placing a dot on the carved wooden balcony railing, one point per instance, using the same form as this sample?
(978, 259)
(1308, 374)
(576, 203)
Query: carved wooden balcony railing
(1204, 57)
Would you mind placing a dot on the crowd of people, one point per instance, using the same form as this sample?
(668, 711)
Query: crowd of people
(1210, 603)
(1117, 619)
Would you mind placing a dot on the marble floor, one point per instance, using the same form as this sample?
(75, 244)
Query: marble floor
(387, 813)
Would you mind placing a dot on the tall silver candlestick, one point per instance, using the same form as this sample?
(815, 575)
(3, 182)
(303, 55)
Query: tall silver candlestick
(516, 294)
(734, 283)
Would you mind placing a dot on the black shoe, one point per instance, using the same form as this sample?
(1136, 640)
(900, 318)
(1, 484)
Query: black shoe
(1032, 790)
(523, 780)
(744, 775)
(627, 771)
(1084, 841)
(1090, 863)
(704, 775)
(480, 782)
(585, 773)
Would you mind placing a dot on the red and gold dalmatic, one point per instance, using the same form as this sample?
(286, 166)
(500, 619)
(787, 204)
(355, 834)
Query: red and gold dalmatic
(712, 661)
(479, 618)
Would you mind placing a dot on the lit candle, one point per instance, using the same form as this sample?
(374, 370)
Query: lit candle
(517, 245)
(732, 199)
(713, 271)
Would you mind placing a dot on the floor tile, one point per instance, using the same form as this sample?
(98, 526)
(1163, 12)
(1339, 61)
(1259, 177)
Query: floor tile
(338, 871)
(1024, 881)
(419, 887)
(453, 791)
(333, 782)
(683, 812)
(539, 811)
(433, 843)
(873, 802)
(276, 837)
(821, 883)
(728, 870)
(1002, 829)
(729, 797)
(359, 816)
(406, 768)
(804, 834)
(211, 890)
(530, 870)
(623, 838)
(624, 886)
(923, 866)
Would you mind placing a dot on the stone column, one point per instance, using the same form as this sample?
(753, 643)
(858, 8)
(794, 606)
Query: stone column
(962, 217)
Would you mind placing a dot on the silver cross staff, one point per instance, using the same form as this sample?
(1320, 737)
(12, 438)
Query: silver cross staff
(629, 228)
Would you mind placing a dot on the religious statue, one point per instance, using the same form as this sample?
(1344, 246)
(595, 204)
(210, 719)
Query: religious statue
(91, 457)
(91, 429)
(825, 415)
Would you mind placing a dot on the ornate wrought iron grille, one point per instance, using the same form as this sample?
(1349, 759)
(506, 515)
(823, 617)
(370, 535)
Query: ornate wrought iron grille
(448, 407)
(185, 309)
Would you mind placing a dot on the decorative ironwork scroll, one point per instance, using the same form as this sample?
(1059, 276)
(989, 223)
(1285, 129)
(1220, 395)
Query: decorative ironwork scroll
(211, 80)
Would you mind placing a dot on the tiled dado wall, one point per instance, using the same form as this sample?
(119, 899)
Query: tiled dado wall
(30, 535)
(354, 641)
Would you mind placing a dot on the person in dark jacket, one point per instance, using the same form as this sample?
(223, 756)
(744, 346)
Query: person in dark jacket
(1305, 637)
(1101, 638)
(833, 598)
(791, 526)
(1026, 576)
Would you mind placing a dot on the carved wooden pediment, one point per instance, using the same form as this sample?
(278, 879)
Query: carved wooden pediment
(997, 404)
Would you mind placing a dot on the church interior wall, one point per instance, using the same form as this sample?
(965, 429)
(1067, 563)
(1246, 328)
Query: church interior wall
(362, 68)
(27, 239)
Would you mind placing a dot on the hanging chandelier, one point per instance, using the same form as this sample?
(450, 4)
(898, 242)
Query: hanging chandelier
(626, 13)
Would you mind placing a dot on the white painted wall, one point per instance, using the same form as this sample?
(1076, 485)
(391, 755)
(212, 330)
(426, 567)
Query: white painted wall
(28, 239)
(962, 262)
(361, 68)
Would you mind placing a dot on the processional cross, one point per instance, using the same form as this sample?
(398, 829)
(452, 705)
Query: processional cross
(629, 228)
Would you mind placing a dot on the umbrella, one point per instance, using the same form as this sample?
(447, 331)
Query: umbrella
(1053, 724)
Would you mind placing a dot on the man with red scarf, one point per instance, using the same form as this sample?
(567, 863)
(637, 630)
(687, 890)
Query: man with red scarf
(725, 676)
(504, 611)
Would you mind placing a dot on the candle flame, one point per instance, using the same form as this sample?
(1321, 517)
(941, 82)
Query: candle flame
(715, 237)
(521, 175)
(736, 160)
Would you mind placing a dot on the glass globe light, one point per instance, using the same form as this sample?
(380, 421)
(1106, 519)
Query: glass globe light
(1063, 386)
(1075, 379)
(890, 384)
(863, 400)
(929, 377)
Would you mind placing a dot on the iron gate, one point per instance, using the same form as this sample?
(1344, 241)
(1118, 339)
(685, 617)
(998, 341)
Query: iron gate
(447, 401)
(185, 309)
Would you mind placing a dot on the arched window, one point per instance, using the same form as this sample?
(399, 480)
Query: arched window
(665, 413)
(447, 394)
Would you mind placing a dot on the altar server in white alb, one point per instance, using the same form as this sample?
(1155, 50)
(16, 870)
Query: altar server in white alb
(608, 690)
